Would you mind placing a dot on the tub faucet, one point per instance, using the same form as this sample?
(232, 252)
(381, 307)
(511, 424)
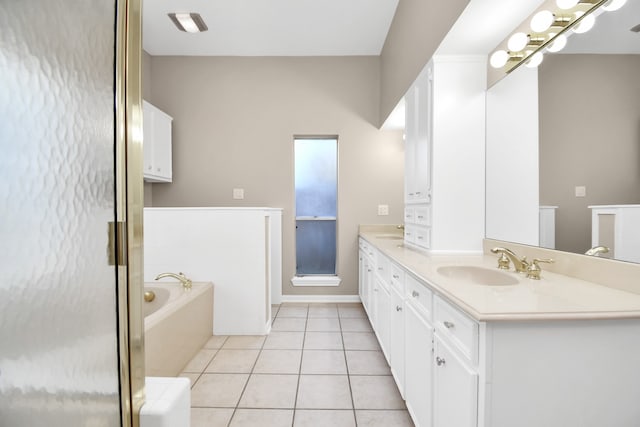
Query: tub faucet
(520, 264)
(597, 250)
(186, 282)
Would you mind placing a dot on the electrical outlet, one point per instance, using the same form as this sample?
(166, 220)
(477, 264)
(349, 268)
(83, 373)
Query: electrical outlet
(581, 191)
(383, 210)
(238, 193)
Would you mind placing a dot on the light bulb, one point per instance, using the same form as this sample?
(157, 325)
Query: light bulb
(612, 5)
(542, 21)
(558, 43)
(499, 58)
(534, 60)
(517, 42)
(566, 4)
(585, 24)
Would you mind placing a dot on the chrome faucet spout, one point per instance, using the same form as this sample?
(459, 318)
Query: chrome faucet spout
(520, 264)
(186, 282)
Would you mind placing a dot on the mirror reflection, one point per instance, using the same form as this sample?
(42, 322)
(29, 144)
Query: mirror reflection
(563, 145)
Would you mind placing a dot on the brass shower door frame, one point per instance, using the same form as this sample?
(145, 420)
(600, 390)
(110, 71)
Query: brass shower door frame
(128, 236)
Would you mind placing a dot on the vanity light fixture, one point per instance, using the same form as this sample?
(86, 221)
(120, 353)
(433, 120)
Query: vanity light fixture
(545, 30)
(188, 22)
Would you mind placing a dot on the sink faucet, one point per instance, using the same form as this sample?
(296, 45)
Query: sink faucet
(520, 264)
(186, 283)
(597, 250)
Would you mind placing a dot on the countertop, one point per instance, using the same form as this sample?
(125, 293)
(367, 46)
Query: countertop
(553, 297)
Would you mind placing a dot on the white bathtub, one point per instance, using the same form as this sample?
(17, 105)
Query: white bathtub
(180, 324)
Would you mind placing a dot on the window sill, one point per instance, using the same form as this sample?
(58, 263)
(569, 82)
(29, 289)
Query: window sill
(315, 281)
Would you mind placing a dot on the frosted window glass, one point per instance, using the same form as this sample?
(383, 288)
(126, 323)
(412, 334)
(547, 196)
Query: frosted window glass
(58, 331)
(316, 177)
(315, 247)
(316, 184)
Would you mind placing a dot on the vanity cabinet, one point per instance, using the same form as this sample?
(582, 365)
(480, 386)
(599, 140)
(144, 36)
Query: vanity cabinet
(157, 144)
(456, 371)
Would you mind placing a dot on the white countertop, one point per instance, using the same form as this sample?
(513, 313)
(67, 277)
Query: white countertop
(553, 297)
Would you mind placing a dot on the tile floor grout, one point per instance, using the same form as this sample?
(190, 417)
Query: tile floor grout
(376, 416)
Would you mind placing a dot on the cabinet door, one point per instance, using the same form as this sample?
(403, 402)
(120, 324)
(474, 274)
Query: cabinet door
(422, 173)
(410, 129)
(367, 286)
(147, 135)
(418, 364)
(382, 320)
(162, 146)
(455, 389)
(396, 339)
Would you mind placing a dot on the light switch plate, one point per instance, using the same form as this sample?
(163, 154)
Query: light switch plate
(383, 210)
(238, 193)
(581, 191)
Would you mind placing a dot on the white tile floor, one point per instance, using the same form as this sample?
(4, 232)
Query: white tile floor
(320, 366)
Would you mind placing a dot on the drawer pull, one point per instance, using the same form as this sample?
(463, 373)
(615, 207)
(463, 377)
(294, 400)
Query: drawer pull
(380, 268)
(375, 290)
(395, 276)
(369, 270)
(398, 308)
(420, 237)
(440, 361)
(415, 294)
(420, 217)
(448, 325)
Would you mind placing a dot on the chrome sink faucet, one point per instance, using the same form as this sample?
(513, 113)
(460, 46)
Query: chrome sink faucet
(186, 282)
(520, 264)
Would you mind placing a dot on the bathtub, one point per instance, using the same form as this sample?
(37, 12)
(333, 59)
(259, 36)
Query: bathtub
(177, 324)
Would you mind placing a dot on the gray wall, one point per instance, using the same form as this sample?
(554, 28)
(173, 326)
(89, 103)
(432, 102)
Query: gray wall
(589, 136)
(417, 29)
(234, 121)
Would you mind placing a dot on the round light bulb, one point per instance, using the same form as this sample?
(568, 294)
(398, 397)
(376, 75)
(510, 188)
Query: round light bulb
(517, 42)
(566, 4)
(558, 43)
(534, 60)
(612, 5)
(585, 25)
(542, 21)
(499, 58)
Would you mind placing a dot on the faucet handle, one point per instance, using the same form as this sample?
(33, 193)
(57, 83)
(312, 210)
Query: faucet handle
(534, 270)
(503, 262)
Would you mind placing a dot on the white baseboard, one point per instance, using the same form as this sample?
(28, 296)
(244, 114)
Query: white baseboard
(320, 298)
(316, 281)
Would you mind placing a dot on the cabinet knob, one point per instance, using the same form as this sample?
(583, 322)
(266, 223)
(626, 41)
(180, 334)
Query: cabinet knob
(415, 294)
(448, 325)
(398, 308)
(395, 276)
(380, 268)
(420, 237)
(375, 290)
(420, 216)
(369, 270)
(440, 361)
(418, 193)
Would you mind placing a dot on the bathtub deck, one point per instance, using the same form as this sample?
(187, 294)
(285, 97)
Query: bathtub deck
(320, 366)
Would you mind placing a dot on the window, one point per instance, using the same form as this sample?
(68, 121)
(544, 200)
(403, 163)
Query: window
(316, 186)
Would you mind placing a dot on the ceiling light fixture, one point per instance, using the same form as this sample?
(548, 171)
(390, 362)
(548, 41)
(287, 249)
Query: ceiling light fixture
(188, 22)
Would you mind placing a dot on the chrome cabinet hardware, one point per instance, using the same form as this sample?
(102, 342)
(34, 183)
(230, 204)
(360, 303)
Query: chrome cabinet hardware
(448, 325)
(440, 361)
(395, 276)
(415, 294)
(398, 308)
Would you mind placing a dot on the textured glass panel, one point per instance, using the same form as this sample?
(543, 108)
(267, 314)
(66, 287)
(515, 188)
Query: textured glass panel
(58, 331)
(316, 177)
(315, 247)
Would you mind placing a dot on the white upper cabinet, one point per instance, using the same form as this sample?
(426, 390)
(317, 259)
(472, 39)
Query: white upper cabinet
(444, 155)
(157, 144)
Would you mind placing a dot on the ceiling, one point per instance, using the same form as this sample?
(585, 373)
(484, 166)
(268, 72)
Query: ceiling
(270, 27)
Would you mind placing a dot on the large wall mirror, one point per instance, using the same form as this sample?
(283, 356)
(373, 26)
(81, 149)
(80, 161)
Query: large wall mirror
(567, 136)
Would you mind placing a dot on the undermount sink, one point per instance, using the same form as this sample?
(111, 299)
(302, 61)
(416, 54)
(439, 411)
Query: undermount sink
(478, 275)
(390, 236)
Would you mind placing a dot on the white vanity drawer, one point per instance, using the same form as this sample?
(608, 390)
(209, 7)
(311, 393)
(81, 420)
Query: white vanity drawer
(423, 216)
(423, 237)
(410, 232)
(409, 215)
(383, 267)
(397, 278)
(459, 329)
(419, 296)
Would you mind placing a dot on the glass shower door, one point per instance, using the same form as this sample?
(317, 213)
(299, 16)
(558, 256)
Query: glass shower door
(59, 359)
